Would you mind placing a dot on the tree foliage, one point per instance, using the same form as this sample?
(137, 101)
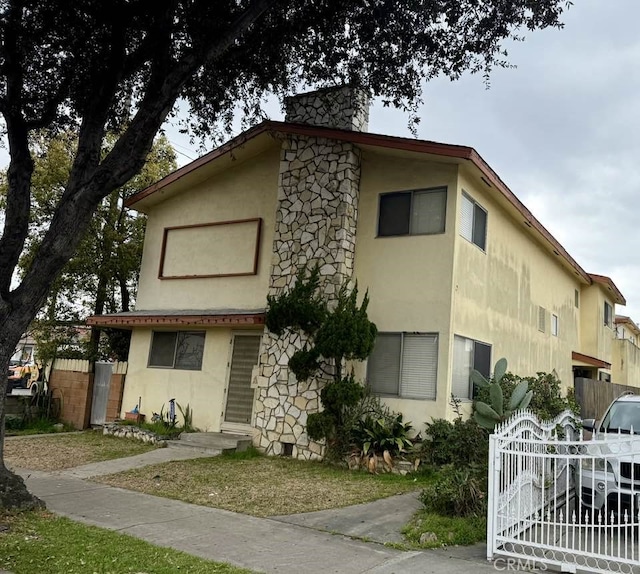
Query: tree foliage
(335, 333)
(93, 66)
(102, 275)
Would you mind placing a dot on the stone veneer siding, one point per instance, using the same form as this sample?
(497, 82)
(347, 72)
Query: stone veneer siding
(341, 108)
(315, 223)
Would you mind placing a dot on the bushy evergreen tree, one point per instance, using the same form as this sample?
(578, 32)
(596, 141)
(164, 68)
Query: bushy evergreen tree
(335, 334)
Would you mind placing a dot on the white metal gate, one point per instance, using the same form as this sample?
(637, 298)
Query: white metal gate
(101, 384)
(558, 500)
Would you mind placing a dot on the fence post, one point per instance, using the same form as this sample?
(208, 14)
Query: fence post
(493, 485)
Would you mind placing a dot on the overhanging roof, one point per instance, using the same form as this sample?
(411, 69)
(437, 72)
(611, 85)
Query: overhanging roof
(266, 133)
(591, 361)
(608, 285)
(179, 318)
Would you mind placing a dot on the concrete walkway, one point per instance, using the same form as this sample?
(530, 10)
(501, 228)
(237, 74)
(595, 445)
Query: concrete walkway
(156, 456)
(380, 521)
(309, 543)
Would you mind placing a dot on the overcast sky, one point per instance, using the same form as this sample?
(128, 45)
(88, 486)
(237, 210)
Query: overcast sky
(561, 130)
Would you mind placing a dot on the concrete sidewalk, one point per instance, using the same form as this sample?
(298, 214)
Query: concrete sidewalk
(263, 545)
(380, 521)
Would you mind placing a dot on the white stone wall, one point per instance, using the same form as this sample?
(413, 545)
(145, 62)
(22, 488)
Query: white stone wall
(342, 108)
(316, 220)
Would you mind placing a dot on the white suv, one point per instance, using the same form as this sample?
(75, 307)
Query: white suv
(609, 482)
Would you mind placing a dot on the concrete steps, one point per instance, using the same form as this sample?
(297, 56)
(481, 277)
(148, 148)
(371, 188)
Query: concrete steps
(213, 443)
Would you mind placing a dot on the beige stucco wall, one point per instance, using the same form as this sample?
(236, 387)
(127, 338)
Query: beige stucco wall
(596, 338)
(243, 192)
(497, 293)
(409, 277)
(203, 390)
(625, 365)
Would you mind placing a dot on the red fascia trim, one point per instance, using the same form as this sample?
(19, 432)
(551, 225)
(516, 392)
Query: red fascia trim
(131, 321)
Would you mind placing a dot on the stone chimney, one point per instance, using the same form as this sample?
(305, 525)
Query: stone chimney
(316, 218)
(343, 108)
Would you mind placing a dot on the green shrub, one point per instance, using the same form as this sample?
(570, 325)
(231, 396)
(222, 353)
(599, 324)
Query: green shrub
(547, 401)
(14, 422)
(457, 491)
(387, 432)
(461, 442)
(334, 423)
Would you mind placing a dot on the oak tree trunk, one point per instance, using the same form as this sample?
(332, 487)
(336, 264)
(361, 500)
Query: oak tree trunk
(13, 491)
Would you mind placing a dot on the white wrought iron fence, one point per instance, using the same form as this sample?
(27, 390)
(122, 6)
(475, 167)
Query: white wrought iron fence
(558, 500)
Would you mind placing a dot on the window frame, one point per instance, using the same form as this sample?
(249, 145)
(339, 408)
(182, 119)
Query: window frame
(412, 193)
(398, 394)
(542, 319)
(178, 335)
(554, 324)
(608, 306)
(475, 208)
(471, 390)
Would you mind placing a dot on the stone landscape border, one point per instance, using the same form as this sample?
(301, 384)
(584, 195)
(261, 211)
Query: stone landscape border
(133, 432)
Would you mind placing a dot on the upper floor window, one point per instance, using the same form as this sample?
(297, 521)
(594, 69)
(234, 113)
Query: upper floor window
(177, 350)
(577, 298)
(419, 212)
(554, 325)
(542, 319)
(404, 365)
(473, 222)
(468, 355)
(608, 314)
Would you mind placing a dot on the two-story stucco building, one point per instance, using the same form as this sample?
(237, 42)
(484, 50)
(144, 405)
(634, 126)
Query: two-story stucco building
(459, 274)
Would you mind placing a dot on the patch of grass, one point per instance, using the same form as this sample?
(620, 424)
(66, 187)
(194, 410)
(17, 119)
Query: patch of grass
(262, 486)
(247, 454)
(38, 426)
(66, 451)
(39, 542)
(446, 530)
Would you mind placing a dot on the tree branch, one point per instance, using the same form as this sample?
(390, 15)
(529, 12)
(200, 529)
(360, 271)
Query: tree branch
(88, 182)
(163, 90)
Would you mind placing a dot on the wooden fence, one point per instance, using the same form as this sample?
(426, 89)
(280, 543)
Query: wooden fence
(595, 396)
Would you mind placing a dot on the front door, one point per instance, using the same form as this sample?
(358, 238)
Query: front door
(239, 392)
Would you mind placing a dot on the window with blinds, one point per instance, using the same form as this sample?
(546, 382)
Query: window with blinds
(417, 212)
(404, 365)
(473, 222)
(542, 319)
(468, 355)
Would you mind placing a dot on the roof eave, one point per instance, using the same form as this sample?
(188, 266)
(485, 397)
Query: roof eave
(463, 153)
(618, 297)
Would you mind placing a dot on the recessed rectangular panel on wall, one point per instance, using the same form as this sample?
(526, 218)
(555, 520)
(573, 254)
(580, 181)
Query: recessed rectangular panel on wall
(219, 249)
